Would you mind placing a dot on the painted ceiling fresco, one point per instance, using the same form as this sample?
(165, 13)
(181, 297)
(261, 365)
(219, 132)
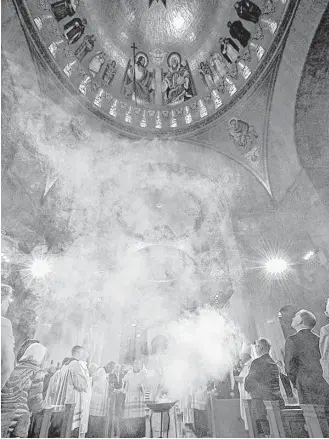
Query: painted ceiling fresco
(153, 66)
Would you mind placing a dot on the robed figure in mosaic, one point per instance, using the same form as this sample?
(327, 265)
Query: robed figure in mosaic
(239, 32)
(248, 11)
(74, 29)
(139, 82)
(177, 85)
(64, 8)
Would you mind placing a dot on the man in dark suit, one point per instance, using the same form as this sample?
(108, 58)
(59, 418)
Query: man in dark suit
(263, 384)
(302, 361)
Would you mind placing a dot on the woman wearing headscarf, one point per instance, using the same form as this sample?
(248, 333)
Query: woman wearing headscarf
(27, 343)
(22, 393)
(97, 410)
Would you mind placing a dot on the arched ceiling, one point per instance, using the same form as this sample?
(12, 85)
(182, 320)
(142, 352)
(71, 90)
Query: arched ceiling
(312, 110)
(190, 66)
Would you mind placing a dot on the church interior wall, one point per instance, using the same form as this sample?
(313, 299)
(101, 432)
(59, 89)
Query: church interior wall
(284, 165)
(240, 225)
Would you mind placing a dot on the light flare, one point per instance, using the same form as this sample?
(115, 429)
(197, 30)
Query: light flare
(276, 265)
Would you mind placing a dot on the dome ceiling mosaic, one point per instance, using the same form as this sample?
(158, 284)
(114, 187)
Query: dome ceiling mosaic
(156, 67)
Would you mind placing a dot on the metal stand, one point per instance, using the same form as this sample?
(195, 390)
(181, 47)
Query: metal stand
(161, 423)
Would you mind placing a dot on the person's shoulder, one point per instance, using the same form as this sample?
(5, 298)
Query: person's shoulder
(73, 363)
(292, 337)
(5, 323)
(324, 331)
(257, 361)
(307, 335)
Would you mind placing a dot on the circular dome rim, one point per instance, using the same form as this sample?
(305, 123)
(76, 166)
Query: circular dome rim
(133, 131)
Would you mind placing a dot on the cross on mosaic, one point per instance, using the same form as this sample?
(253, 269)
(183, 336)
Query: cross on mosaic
(164, 2)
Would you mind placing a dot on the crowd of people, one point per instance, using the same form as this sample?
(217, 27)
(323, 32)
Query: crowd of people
(303, 379)
(110, 401)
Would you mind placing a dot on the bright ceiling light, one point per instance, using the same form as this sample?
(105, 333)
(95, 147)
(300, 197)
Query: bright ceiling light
(309, 255)
(40, 268)
(276, 265)
(178, 22)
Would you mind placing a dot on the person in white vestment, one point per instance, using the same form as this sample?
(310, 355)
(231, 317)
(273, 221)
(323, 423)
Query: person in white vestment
(324, 347)
(97, 411)
(7, 338)
(74, 387)
(246, 359)
(135, 409)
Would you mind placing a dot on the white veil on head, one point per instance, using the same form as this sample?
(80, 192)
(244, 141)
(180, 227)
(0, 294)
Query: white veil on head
(36, 352)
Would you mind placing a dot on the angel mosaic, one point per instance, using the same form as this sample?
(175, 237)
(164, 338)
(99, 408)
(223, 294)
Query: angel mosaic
(139, 82)
(243, 135)
(177, 83)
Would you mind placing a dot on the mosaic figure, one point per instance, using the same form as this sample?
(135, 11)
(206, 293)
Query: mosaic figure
(139, 82)
(96, 63)
(177, 85)
(109, 72)
(242, 134)
(206, 75)
(74, 29)
(219, 69)
(229, 49)
(64, 8)
(248, 11)
(239, 32)
(85, 47)
(268, 7)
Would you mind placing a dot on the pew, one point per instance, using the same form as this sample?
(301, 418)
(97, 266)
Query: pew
(225, 418)
(179, 418)
(317, 420)
(252, 427)
(66, 430)
(148, 423)
(66, 411)
(287, 422)
(45, 424)
(7, 425)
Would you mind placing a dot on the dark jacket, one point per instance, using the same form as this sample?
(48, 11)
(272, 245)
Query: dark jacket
(263, 384)
(263, 379)
(115, 382)
(302, 362)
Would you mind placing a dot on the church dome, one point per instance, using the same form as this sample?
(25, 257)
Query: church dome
(158, 67)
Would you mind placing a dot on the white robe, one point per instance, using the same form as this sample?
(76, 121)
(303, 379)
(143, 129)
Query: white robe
(72, 385)
(243, 393)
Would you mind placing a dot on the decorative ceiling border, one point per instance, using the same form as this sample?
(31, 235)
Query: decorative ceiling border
(177, 133)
